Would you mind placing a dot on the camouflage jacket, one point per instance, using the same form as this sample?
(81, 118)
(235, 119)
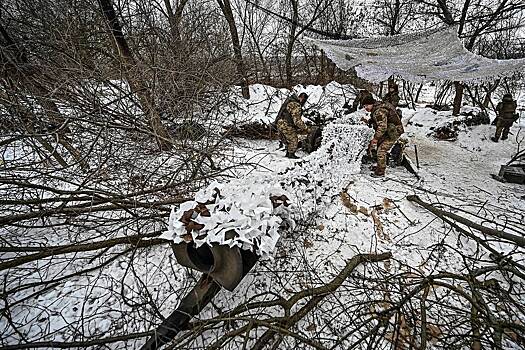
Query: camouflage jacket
(392, 98)
(506, 110)
(291, 112)
(386, 121)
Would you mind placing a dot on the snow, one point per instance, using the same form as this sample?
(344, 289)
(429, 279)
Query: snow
(453, 174)
(322, 231)
(324, 172)
(265, 101)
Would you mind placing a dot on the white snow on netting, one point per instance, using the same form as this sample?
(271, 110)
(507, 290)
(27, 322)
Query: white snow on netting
(243, 206)
(426, 56)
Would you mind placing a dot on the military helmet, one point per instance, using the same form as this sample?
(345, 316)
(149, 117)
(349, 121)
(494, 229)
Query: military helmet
(507, 98)
(303, 94)
(368, 100)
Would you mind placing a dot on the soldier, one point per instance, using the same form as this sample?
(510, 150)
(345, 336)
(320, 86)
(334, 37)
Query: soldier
(392, 95)
(289, 122)
(506, 117)
(388, 128)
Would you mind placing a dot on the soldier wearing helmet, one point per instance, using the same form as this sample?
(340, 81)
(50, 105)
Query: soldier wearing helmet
(506, 116)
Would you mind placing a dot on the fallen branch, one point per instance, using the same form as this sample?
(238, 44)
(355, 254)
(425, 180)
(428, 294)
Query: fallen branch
(77, 344)
(61, 278)
(520, 241)
(136, 240)
(318, 295)
(78, 210)
(280, 325)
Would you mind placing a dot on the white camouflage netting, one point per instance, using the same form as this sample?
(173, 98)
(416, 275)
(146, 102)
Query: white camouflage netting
(243, 206)
(426, 56)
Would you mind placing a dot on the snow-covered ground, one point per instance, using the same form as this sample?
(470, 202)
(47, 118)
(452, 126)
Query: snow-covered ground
(329, 233)
(457, 175)
(454, 173)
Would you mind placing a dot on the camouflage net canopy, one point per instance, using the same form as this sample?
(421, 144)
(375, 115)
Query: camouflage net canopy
(426, 56)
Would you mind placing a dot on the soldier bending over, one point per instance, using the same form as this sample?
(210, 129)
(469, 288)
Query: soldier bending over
(388, 127)
(290, 124)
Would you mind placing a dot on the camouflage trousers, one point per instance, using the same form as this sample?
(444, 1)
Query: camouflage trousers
(503, 127)
(383, 146)
(289, 134)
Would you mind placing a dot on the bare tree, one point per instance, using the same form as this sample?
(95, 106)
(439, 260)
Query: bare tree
(175, 18)
(226, 8)
(317, 9)
(135, 81)
(474, 18)
(395, 15)
(261, 38)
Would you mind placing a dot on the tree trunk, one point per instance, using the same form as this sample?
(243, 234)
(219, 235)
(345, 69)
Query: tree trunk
(487, 99)
(226, 8)
(419, 91)
(322, 68)
(174, 18)
(475, 325)
(458, 98)
(291, 41)
(331, 71)
(407, 89)
(395, 17)
(449, 19)
(135, 83)
(490, 90)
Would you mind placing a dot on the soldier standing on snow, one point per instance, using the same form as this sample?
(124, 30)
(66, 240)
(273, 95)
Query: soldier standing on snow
(392, 96)
(388, 128)
(506, 111)
(290, 124)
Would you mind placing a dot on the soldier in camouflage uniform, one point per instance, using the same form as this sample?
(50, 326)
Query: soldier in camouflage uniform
(388, 128)
(506, 110)
(392, 95)
(290, 124)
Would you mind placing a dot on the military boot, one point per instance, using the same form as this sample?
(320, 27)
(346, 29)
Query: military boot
(378, 172)
(493, 138)
(291, 155)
